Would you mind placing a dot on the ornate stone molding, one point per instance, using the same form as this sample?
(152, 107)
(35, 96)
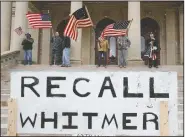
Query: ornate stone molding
(181, 8)
(32, 7)
(171, 9)
(9, 59)
(152, 17)
(13, 11)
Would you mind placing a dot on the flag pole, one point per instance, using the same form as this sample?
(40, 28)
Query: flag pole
(89, 17)
(129, 26)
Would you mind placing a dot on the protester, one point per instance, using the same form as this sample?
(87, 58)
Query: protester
(66, 52)
(56, 42)
(151, 52)
(123, 45)
(27, 47)
(103, 47)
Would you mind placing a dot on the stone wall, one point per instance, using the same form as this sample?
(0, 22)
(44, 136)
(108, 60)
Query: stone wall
(9, 59)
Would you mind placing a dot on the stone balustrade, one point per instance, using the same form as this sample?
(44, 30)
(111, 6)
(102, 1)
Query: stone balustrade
(9, 59)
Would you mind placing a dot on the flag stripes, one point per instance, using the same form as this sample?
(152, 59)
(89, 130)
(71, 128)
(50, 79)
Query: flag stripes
(79, 19)
(39, 20)
(116, 29)
(121, 24)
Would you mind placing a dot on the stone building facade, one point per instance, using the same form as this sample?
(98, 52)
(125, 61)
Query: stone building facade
(165, 19)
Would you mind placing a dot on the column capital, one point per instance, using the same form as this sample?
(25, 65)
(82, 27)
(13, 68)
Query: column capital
(171, 9)
(32, 7)
(181, 8)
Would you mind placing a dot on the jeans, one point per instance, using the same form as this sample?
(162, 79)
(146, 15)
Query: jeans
(66, 56)
(100, 53)
(27, 57)
(56, 57)
(123, 57)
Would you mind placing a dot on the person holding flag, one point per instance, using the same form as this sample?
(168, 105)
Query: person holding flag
(79, 19)
(27, 47)
(120, 30)
(151, 52)
(123, 45)
(56, 42)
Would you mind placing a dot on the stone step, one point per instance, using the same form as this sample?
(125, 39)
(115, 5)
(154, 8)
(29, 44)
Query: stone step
(180, 94)
(4, 110)
(180, 115)
(4, 99)
(180, 89)
(180, 125)
(5, 91)
(180, 107)
(180, 82)
(4, 129)
(180, 133)
(180, 100)
(4, 119)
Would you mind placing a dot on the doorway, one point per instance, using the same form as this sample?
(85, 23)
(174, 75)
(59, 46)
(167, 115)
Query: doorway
(150, 25)
(61, 26)
(112, 55)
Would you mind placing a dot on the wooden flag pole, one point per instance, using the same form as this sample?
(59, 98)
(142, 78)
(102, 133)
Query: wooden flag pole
(88, 14)
(129, 26)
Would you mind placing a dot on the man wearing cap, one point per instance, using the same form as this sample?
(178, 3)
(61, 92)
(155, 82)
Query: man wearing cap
(27, 47)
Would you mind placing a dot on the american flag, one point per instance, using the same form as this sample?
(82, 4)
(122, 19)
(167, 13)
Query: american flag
(39, 20)
(79, 19)
(19, 31)
(154, 57)
(116, 29)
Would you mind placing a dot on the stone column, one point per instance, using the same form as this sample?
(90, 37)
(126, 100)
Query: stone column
(76, 45)
(21, 8)
(6, 15)
(171, 43)
(181, 35)
(45, 46)
(134, 34)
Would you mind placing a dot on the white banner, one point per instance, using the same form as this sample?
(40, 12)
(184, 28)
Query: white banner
(94, 103)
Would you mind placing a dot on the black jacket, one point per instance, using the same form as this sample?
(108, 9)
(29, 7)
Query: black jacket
(67, 42)
(27, 44)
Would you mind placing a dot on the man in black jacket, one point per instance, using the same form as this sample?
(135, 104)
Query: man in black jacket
(66, 52)
(56, 42)
(27, 47)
